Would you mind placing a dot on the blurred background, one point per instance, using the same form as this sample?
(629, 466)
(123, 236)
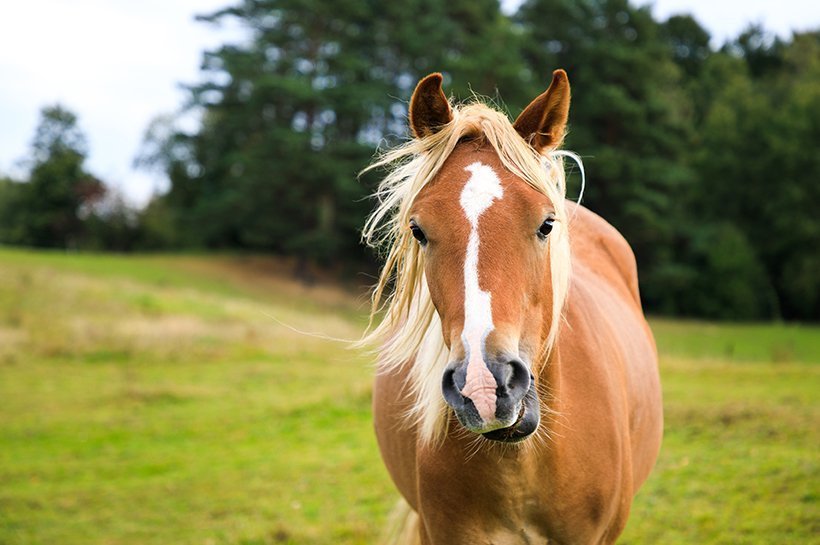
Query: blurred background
(178, 179)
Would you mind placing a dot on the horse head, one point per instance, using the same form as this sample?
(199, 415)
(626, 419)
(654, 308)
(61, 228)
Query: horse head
(484, 231)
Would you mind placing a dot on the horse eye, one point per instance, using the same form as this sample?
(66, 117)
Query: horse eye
(546, 228)
(418, 234)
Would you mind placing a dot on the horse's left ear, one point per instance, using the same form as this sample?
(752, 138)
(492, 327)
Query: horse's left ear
(429, 108)
(544, 121)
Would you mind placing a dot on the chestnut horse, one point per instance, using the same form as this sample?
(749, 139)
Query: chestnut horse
(517, 399)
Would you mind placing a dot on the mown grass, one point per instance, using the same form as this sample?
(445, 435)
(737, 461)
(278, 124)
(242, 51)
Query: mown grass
(148, 400)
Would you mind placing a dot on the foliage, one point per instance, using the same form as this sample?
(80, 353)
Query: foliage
(47, 210)
(628, 118)
(11, 208)
(755, 163)
(62, 205)
(151, 399)
(291, 116)
(701, 156)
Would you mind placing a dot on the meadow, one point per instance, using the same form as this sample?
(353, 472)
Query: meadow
(159, 399)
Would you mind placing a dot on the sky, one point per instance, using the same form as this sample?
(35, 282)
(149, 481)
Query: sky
(119, 63)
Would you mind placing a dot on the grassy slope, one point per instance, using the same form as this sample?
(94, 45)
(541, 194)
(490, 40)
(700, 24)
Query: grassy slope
(154, 400)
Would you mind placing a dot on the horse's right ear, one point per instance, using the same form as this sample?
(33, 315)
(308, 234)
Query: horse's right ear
(429, 108)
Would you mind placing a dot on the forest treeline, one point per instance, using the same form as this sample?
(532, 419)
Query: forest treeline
(705, 158)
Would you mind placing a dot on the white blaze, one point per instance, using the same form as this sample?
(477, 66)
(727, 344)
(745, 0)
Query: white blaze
(478, 195)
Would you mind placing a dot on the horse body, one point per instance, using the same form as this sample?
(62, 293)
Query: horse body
(595, 391)
(603, 424)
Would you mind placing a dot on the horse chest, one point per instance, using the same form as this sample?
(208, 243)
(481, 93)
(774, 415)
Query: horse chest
(508, 497)
(484, 501)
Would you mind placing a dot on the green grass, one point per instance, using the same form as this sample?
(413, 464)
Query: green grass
(739, 463)
(155, 400)
(167, 406)
(765, 343)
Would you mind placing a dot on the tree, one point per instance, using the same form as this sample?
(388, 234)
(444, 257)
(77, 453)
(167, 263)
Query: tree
(49, 208)
(290, 118)
(630, 120)
(700, 158)
(689, 42)
(755, 168)
(57, 135)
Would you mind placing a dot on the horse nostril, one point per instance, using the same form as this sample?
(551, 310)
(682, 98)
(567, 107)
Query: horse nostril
(451, 390)
(520, 379)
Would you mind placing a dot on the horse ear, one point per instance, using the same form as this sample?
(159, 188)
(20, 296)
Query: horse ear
(544, 121)
(429, 108)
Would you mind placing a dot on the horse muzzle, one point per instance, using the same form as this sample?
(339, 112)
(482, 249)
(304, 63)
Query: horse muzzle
(502, 405)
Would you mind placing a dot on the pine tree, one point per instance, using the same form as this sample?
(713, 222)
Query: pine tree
(291, 116)
(629, 119)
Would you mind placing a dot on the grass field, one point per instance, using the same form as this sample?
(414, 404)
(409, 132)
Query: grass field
(156, 400)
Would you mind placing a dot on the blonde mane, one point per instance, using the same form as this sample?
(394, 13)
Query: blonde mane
(405, 328)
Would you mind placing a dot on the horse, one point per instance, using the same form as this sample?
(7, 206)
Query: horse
(517, 397)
